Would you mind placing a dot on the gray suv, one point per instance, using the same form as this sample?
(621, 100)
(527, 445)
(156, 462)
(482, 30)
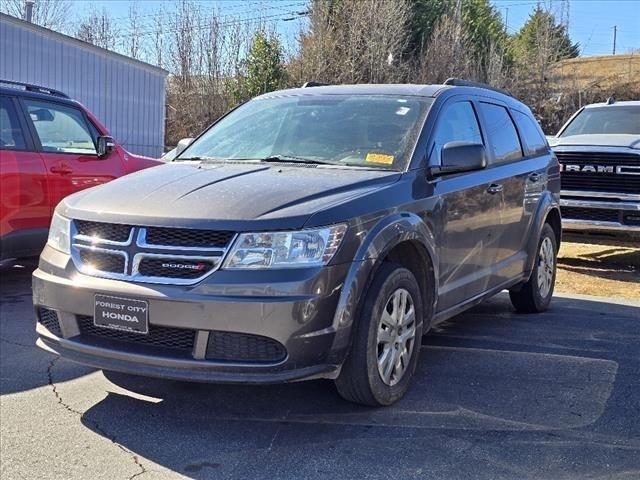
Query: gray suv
(316, 232)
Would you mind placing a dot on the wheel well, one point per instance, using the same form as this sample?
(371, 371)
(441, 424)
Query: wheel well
(553, 219)
(414, 257)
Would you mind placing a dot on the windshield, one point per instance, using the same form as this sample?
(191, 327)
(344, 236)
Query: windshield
(605, 120)
(358, 130)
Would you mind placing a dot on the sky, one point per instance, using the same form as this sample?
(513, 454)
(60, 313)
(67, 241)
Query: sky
(590, 22)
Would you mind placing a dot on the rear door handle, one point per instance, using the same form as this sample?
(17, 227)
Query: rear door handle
(534, 177)
(494, 188)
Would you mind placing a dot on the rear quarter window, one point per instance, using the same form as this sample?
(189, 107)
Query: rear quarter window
(531, 134)
(501, 132)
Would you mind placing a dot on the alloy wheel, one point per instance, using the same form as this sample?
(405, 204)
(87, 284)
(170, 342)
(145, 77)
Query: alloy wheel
(546, 262)
(396, 336)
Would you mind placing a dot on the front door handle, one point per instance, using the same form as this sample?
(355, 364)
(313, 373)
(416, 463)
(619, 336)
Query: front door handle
(61, 168)
(495, 188)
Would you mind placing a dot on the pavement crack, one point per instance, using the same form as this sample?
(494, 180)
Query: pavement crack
(95, 425)
(17, 344)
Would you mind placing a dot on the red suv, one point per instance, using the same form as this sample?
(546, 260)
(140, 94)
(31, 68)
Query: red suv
(50, 146)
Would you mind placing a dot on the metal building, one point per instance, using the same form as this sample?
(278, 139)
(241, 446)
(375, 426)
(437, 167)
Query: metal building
(125, 94)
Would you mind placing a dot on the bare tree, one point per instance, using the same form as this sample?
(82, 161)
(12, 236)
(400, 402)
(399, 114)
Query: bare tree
(98, 28)
(53, 14)
(448, 53)
(354, 41)
(134, 38)
(158, 48)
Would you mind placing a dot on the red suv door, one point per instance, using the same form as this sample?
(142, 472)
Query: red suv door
(68, 148)
(25, 210)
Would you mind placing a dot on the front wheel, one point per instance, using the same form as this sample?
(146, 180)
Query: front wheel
(386, 340)
(535, 295)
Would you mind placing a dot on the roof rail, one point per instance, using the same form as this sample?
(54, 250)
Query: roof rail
(458, 82)
(315, 84)
(34, 88)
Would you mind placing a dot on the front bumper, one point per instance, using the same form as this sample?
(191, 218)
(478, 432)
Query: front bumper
(601, 215)
(296, 309)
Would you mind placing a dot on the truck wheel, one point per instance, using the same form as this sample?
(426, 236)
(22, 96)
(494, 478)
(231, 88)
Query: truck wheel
(535, 295)
(386, 340)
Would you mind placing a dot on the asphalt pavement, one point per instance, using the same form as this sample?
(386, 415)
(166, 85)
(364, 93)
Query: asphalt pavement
(497, 395)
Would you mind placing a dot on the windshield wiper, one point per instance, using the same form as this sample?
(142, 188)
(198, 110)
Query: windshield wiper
(293, 159)
(197, 158)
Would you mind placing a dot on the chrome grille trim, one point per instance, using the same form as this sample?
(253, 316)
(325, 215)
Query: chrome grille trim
(141, 241)
(134, 252)
(136, 276)
(104, 241)
(87, 270)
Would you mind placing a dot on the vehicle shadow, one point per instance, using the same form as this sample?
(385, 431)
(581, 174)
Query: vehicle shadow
(615, 263)
(488, 373)
(24, 366)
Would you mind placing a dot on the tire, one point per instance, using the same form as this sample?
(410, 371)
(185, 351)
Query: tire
(361, 378)
(535, 295)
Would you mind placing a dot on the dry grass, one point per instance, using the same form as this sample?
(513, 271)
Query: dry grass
(605, 271)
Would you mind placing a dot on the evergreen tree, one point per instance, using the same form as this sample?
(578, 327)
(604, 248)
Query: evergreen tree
(265, 70)
(542, 39)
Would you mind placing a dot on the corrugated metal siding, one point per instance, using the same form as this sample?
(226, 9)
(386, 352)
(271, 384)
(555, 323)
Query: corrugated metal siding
(126, 95)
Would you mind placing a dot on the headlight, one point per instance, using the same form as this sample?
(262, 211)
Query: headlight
(304, 248)
(59, 233)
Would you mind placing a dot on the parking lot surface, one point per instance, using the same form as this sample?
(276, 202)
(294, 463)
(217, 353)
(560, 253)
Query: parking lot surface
(496, 395)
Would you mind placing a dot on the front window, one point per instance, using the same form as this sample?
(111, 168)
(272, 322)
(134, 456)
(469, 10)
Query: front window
(605, 120)
(375, 131)
(60, 129)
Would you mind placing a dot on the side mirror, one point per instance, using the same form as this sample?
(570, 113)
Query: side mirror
(457, 157)
(105, 146)
(182, 144)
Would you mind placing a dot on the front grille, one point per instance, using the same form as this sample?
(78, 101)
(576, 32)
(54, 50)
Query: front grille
(592, 214)
(179, 339)
(174, 268)
(148, 254)
(600, 182)
(49, 318)
(242, 347)
(102, 261)
(105, 231)
(188, 237)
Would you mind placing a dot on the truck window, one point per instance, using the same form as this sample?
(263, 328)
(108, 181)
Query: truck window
(457, 123)
(531, 133)
(61, 129)
(502, 132)
(11, 135)
(609, 119)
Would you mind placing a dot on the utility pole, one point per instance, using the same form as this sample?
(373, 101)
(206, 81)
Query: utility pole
(615, 32)
(28, 10)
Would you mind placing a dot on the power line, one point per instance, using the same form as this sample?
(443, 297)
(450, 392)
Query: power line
(235, 16)
(206, 25)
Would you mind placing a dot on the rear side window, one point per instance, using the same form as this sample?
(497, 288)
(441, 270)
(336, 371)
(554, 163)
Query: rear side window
(531, 134)
(457, 123)
(11, 135)
(502, 133)
(61, 129)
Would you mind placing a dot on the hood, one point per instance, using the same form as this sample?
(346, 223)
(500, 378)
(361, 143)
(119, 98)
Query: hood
(231, 196)
(599, 140)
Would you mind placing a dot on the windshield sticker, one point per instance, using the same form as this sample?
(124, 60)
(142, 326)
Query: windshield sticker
(402, 110)
(379, 158)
